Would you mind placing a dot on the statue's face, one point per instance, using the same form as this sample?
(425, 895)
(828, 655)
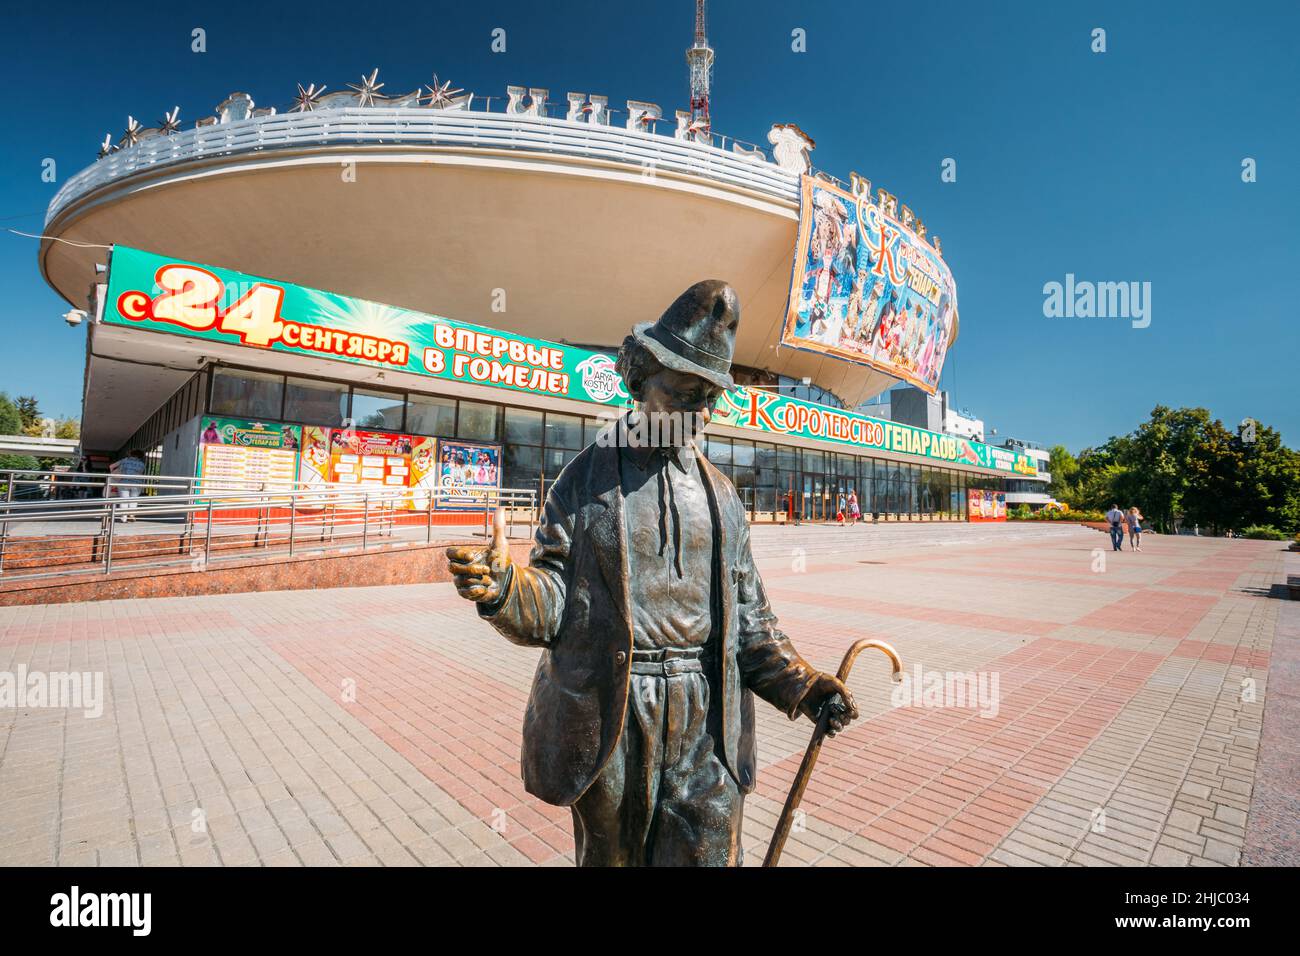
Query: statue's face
(667, 391)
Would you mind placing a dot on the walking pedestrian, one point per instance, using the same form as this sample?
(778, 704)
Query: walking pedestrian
(1116, 519)
(128, 487)
(1134, 521)
(855, 512)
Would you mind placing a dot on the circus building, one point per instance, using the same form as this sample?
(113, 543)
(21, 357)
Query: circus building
(444, 274)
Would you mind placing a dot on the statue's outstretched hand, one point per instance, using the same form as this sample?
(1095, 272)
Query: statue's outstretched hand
(829, 691)
(480, 573)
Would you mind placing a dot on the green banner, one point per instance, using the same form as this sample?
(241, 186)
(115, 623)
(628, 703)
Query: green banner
(170, 295)
(774, 413)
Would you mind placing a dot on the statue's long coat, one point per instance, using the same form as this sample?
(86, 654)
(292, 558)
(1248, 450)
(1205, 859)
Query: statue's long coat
(572, 600)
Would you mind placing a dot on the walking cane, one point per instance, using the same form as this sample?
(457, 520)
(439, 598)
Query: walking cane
(815, 747)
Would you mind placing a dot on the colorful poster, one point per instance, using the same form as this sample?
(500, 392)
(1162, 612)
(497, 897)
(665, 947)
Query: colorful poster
(985, 505)
(370, 460)
(314, 463)
(868, 289)
(774, 413)
(466, 472)
(424, 470)
(171, 295)
(237, 455)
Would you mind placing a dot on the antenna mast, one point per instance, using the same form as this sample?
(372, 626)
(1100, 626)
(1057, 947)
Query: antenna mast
(700, 60)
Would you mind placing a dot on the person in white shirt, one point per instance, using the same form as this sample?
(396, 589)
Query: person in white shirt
(128, 487)
(1116, 519)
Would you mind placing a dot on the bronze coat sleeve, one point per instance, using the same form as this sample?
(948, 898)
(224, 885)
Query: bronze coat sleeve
(532, 607)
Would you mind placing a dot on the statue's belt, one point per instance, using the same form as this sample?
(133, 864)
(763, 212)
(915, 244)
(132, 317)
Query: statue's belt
(668, 661)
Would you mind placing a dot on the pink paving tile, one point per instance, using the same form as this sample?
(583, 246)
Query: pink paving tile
(1205, 580)
(914, 612)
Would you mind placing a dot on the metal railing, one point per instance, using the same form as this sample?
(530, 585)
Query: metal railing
(649, 150)
(192, 523)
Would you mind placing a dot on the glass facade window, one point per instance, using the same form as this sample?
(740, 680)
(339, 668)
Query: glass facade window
(314, 402)
(742, 471)
(429, 415)
(591, 428)
(524, 426)
(563, 431)
(767, 495)
(479, 422)
(718, 451)
(556, 459)
(539, 444)
(247, 394)
(523, 467)
(381, 411)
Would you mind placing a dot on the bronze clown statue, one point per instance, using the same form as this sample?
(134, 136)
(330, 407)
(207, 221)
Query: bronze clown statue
(655, 630)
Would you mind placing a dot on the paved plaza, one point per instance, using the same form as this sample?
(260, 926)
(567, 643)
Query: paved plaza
(1125, 714)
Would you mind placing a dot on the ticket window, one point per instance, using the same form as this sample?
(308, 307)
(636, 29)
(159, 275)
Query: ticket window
(242, 394)
(316, 402)
(381, 411)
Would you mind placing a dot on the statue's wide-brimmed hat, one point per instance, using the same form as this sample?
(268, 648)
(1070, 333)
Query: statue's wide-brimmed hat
(697, 333)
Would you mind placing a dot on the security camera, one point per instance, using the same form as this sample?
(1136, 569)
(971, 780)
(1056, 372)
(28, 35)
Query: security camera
(74, 317)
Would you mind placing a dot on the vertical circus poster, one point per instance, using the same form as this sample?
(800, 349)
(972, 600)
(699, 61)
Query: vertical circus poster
(424, 471)
(867, 289)
(314, 467)
(237, 454)
(467, 471)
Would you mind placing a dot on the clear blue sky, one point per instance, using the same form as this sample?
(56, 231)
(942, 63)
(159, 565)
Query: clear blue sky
(1122, 166)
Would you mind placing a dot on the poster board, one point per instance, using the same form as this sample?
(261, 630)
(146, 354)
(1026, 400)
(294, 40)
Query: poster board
(867, 288)
(369, 460)
(238, 454)
(467, 471)
(986, 505)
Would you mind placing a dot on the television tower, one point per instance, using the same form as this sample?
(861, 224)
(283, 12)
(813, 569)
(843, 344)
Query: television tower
(700, 60)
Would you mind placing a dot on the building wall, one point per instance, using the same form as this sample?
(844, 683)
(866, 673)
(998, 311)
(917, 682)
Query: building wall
(538, 443)
(180, 449)
(912, 406)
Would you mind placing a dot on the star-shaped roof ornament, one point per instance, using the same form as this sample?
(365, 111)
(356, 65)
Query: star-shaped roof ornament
(107, 146)
(306, 99)
(369, 89)
(132, 134)
(439, 95)
(170, 122)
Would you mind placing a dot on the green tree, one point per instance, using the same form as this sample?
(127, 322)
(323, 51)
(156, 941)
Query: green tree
(1182, 466)
(63, 428)
(29, 410)
(1270, 480)
(11, 423)
(1064, 469)
(1100, 474)
(1156, 463)
(1216, 497)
